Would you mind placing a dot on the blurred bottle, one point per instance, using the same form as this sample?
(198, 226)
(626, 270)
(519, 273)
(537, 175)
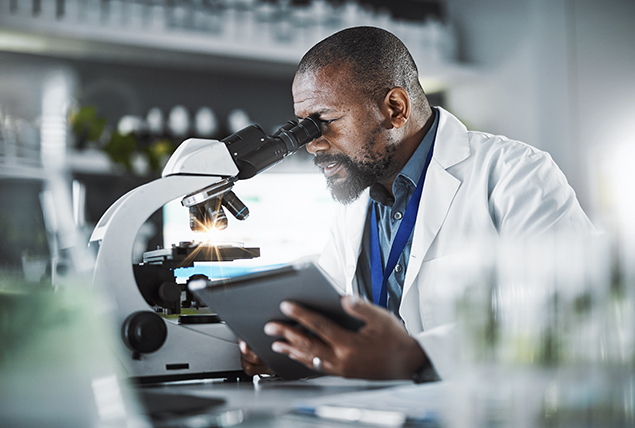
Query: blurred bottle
(180, 13)
(91, 12)
(179, 122)
(205, 123)
(237, 119)
(71, 12)
(130, 124)
(155, 122)
(49, 10)
(155, 13)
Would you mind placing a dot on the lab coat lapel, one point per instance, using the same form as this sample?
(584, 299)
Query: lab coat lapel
(438, 193)
(440, 188)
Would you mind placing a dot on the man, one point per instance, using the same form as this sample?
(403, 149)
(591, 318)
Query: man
(416, 186)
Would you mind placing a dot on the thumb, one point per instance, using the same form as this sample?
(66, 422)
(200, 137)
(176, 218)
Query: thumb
(361, 309)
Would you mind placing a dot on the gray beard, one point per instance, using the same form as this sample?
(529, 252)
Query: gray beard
(359, 176)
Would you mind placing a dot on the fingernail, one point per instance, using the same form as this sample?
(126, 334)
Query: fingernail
(243, 346)
(286, 308)
(276, 347)
(270, 329)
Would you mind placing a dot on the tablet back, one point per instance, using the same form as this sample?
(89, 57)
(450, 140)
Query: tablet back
(247, 303)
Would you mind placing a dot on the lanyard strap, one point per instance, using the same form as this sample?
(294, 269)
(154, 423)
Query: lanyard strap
(379, 276)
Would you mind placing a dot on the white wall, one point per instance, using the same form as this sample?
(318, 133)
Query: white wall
(558, 74)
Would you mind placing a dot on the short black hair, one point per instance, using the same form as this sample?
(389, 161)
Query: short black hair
(379, 61)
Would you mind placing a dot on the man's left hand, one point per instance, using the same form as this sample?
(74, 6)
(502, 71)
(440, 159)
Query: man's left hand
(381, 349)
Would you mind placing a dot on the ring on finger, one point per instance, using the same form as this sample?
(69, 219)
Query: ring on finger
(317, 364)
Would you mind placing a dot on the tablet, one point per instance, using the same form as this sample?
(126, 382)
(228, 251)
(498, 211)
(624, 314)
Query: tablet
(246, 303)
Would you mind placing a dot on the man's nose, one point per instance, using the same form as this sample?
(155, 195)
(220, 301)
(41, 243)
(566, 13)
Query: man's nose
(318, 145)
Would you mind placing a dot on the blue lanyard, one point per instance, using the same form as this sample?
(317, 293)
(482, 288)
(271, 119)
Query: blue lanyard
(380, 276)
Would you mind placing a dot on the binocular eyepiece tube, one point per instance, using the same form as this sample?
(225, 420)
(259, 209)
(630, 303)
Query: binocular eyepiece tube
(296, 135)
(254, 151)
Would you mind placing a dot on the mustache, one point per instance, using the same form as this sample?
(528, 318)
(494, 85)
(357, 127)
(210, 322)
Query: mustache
(330, 158)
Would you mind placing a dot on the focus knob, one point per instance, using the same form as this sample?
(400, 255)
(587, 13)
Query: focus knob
(169, 292)
(144, 332)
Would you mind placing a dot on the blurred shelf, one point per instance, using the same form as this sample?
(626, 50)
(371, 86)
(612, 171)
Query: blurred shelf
(169, 49)
(253, 51)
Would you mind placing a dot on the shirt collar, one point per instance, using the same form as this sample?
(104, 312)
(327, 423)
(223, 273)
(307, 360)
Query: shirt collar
(411, 172)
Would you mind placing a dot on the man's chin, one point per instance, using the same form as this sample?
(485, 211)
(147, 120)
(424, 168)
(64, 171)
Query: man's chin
(343, 192)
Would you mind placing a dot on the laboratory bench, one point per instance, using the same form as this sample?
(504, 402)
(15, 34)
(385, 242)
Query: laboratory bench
(273, 402)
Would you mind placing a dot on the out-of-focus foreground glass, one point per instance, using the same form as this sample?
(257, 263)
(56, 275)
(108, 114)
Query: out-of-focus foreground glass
(546, 332)
(57, 364)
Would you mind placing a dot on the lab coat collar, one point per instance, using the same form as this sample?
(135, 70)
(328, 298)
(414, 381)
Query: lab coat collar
(451, 145)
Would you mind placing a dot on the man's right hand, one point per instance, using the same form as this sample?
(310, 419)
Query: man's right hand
(252, 365)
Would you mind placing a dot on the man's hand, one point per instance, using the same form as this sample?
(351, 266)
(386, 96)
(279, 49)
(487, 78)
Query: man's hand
(252, 365)
(381, 349)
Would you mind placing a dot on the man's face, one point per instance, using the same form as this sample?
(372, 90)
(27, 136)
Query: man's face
(355, 150)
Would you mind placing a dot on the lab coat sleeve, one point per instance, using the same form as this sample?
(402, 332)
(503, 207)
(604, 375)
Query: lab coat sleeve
(439, 344)
(529, 196)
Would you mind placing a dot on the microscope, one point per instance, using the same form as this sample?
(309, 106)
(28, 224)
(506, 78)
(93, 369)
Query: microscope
(162, 343)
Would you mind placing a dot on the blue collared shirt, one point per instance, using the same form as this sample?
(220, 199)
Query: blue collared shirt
(389, 214)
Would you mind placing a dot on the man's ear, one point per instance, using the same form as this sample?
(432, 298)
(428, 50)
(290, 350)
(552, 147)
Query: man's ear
(396, 106)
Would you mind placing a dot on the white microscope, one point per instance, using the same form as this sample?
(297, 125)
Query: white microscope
(158, 346)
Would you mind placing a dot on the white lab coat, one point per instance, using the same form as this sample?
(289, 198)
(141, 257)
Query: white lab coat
(478, 186)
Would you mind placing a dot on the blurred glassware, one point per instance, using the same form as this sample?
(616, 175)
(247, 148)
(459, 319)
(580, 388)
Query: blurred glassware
(155, 16)
(241, 24)
(238, 119)
(155, 121)
(179, 121)
(130, 124)
(179, 14)
(20, 137)
(545, 340)
(215, 22)
(205, 122)
(57, 361)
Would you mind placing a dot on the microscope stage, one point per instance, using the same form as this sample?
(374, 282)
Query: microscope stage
(186, 253)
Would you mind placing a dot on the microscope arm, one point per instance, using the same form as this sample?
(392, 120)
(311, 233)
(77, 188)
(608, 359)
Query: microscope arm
(118, 227)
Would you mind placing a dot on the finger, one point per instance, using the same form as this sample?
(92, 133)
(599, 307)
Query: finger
(297, 344)
(305, 358)
(331, 333)
(255, 369)
(251, 363)
(297, 341)
(247, 354)
(365, 311)
(291, 352)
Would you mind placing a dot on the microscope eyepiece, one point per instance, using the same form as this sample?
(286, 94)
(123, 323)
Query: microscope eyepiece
(296, 135)
(254, 151)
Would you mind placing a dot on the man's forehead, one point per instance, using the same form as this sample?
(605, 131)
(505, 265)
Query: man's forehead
(321, 90)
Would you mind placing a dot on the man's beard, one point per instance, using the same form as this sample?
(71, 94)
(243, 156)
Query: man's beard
(359, 175)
